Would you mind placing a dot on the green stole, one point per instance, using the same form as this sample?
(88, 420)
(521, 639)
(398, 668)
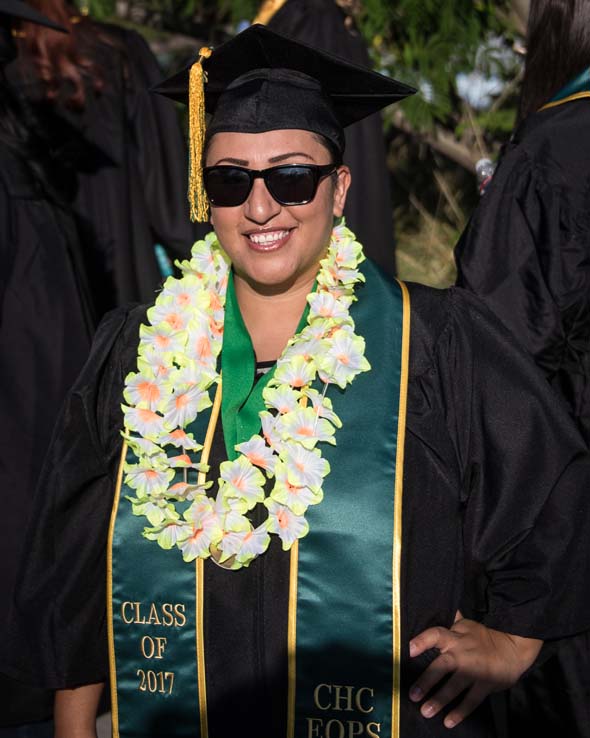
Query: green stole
(576, 89)
(343, 644)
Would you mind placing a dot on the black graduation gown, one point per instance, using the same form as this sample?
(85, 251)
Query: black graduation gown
(46, 327)
(526, 252)
(492, 513)
(122, 163)
(369, 210)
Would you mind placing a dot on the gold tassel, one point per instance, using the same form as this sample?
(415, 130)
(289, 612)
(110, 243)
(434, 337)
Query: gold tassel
(267, 10)
(197, 198)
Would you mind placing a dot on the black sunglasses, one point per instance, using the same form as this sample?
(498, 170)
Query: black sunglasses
(289, 184)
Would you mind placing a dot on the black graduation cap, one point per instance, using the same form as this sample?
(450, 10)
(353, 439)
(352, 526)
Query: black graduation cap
(264, 81)
(17, 9)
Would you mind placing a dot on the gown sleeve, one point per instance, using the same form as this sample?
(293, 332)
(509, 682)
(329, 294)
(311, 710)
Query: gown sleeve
(525, 253)
(525, 481)
(57, 631)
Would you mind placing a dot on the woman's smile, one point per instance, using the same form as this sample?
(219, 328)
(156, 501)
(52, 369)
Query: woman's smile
(268, 240)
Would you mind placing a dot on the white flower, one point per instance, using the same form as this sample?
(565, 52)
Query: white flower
(144, 391)
(297, 372)
(298, 499)
(304, 425)
(286, 524)
(269, 429)
(325, 305)
(181, 439)
(169, 313)
(169, 535)
(206, 530)
(146, 479)
(246, 545)
(184, 294)
(258, 453)
(344, 360)
(163, 339)
(146, 423)
(142, 446)
(305, 468)
(322, 406)
(282, 398)
(185, 403)
(243, 480)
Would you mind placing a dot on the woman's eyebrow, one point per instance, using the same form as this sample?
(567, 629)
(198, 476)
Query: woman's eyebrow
(231, 160)
(272, 160)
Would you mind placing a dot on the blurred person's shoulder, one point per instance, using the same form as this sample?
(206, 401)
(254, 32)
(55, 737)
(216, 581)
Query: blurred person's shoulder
(554, 141)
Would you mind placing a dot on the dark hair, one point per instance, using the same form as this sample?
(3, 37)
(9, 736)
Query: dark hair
(61, 60)
(558, 48)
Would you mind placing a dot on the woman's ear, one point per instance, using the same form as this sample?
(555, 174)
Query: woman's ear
(343, 180)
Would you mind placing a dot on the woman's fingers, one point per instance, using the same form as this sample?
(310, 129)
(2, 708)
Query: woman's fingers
(474, 697)
(440, 667)
(455, 686)
(436, 637)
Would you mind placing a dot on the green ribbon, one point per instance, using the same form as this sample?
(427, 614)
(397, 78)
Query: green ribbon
(242, 396)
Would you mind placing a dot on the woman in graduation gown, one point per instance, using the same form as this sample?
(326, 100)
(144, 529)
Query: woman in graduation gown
(445, 517)
(46, 327)
(118, 153)
(526, 253)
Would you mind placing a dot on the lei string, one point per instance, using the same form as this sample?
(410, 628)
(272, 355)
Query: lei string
(176, 375)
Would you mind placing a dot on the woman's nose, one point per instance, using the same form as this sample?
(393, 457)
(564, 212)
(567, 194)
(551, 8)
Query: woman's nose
(260, 207)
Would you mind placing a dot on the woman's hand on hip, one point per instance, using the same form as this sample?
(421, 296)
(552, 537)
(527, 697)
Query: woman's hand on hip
(475, 661)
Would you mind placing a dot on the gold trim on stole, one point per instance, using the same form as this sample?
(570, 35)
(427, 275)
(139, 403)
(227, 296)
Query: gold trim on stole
(575, 96)
(397, 513)
(200, 577)
(267, 11)
(292, 639)
(110, 628)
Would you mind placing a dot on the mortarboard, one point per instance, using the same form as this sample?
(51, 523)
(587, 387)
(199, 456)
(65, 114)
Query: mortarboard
(264, 81)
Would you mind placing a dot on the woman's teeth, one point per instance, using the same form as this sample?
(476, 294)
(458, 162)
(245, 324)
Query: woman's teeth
(268, 238)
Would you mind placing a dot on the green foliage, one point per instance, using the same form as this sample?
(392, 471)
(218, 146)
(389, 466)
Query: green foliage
(240, 10)
(426, 43)
(100, 9)
(495, 123)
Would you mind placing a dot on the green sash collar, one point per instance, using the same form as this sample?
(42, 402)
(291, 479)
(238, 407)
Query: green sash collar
(242, 400)
(576, 89)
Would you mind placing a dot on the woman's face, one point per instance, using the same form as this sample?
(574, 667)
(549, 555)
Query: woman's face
(276, 248)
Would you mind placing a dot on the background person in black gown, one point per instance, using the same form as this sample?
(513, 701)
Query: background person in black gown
(526, 251)
(118, 151)
(46, 326)
(369, 210)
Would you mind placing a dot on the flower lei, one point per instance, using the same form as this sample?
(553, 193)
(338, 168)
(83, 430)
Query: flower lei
(177, 368)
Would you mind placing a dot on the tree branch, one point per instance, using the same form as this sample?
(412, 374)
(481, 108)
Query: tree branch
(440, 141)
